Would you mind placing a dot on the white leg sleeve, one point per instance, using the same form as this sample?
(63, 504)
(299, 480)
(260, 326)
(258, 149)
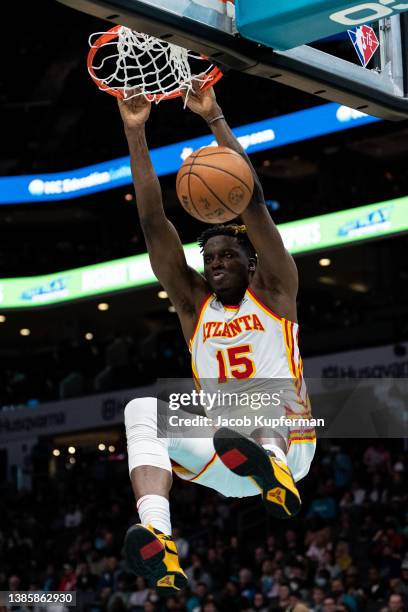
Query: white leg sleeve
(144, 445)
(277, 451)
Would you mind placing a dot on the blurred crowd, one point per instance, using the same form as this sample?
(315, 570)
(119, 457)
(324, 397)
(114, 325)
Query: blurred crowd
(347, 551)
(77, 368)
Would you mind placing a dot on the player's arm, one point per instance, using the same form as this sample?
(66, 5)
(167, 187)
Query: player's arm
(185, 287)
(276, 265)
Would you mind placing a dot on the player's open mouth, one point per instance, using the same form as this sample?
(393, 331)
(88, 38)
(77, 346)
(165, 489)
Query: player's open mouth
(218, 275)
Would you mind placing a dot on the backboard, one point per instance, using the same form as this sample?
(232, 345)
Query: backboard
(210, 27)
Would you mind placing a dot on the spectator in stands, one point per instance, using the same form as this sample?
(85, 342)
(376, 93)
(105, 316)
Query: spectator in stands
(118, 600)
(85, 581)
(377, 492)
(68, 580)
(322, 578)
(376, 588)
(216, 567)
(403, 583)
(342, 556)
(314, 563)
(108, 579)
(197, 597)
(329, 604)
(246, 583)
(209, 606)
(377, 458)
(343, 468)
(259, 603)
(395, 604)
(396, 489)
(139, 595)
(296, 603)
(149, 606)
(317, 542)
(230, 598)
(73, 517)
(324, 506)
(389, 563)
(338, 592)
(14, 583)
(267, 579)
(318, 596)
(292, 542)
(50, 581)
(259, 556)
(196, 572)
(282, 601)
(358, 493)
(297, 577)
(329, 564)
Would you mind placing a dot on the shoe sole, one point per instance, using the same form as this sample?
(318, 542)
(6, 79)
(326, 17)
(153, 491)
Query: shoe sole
(145, 557)
(246, 458)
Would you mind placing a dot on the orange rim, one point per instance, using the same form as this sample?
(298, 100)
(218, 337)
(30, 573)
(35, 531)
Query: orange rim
(212, 77)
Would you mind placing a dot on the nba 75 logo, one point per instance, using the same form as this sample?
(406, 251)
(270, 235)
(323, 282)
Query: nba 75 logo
(365, 43)
(368, 11)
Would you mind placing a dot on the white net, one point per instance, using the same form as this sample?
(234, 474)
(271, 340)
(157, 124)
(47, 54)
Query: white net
(138, 64)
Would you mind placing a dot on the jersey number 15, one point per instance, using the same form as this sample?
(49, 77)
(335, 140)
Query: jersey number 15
(234, 362)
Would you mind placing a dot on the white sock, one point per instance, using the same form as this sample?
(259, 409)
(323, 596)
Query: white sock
(278, 452)
(155, 510)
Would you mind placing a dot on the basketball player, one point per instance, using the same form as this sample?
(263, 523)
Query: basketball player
(249, 285)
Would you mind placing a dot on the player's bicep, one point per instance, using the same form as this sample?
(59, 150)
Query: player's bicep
(169, 263)
(274, 261)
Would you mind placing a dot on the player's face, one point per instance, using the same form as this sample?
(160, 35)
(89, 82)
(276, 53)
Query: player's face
(226, 267)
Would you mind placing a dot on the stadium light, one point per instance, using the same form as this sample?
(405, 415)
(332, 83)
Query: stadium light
(56, 452)
(324, 262)
(102, 447)
(327, 280)
(359, 287)
(72, 450)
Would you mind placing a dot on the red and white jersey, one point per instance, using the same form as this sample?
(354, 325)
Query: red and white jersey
(244, 342)
(252, 345)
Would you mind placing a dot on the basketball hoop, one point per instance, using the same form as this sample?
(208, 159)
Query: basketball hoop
(135, 64)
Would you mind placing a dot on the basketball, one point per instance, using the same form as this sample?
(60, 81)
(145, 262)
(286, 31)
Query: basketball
(215, 184)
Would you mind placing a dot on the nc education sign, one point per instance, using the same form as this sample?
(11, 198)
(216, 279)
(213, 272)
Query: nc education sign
(254, 137)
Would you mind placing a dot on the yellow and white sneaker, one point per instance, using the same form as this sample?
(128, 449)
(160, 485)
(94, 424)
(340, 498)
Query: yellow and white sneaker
(153, 555)
(244, 457)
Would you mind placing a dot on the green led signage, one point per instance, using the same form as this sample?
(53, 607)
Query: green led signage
(300, 237)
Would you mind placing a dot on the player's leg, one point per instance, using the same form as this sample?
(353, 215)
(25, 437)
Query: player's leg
(149, 548)
(263, 459)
